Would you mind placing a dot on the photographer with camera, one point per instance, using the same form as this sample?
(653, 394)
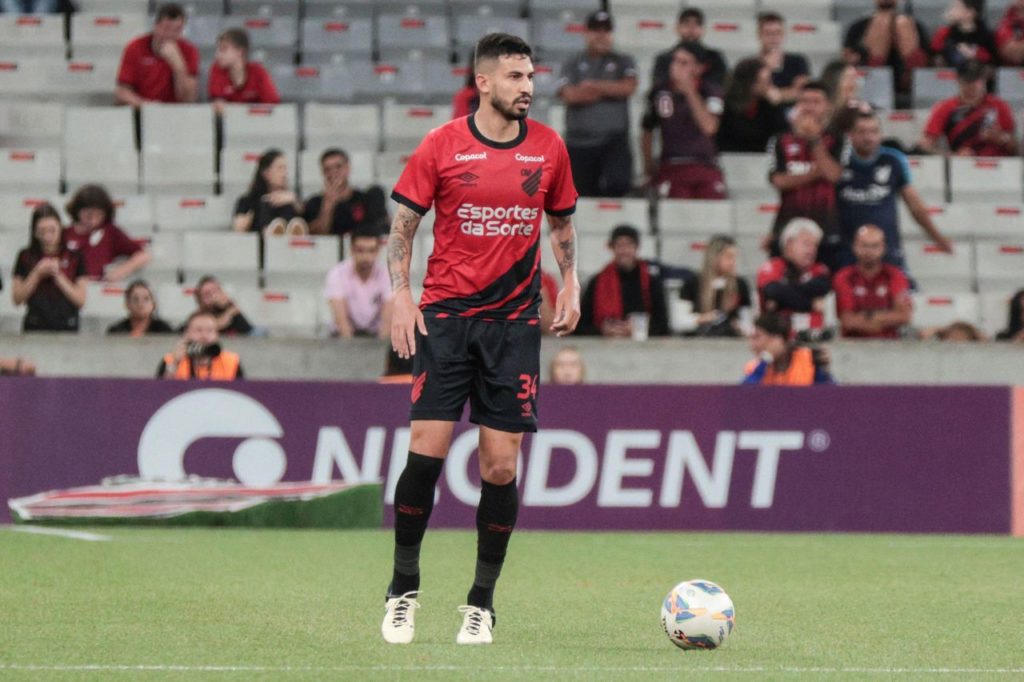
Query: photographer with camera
(198, 354)
(781, 362)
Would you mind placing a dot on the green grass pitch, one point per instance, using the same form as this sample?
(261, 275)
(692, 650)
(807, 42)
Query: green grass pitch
(288, 605)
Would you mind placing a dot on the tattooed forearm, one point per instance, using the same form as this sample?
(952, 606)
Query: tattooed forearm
(563, 242)
(403, 230)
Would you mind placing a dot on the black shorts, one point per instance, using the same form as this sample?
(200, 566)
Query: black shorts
(493, 363)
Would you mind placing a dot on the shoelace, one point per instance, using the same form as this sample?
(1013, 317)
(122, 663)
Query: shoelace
(476, 618)
(401, 611)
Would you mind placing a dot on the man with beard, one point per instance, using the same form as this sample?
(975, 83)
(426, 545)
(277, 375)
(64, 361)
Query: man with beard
(872, 297)
(476, 332)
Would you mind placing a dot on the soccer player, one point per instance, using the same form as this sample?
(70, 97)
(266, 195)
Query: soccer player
(476, 333)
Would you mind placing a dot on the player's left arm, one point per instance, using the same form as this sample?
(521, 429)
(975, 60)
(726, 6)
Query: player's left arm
(918, 209)
(563, 243)
(406, 317)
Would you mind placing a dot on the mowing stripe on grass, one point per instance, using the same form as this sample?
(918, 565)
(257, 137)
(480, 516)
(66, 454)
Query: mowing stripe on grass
(510, 669)
(60, 533)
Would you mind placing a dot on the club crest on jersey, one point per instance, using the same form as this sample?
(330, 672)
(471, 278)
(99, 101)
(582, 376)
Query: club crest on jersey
(532, 182)
(882, 174)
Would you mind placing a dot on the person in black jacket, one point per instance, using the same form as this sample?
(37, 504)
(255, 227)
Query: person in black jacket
(142, 318)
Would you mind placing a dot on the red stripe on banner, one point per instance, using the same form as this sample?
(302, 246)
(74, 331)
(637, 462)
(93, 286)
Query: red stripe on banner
(698, 246)
(804, 28)
(986, 165)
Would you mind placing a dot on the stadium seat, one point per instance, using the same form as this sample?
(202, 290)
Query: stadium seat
(238, 165)
(263, 125)
(104, 35)
(746, 176)
(202, 31)
(299, 263)
(563, 9)
(732, 34)
(127, 6)
(362, 170)
(468, 28)
(165, 250)
(933, 85)
(99, 146)
(441, 80)
(390, 165)
(905, 125)
(928, 175)
(557, 38)
(846, 12)
(16, 212)
(398, 33)
(999, 221)
(405, 125)
(104, 304)
(594, 254)
(353, 127)
(934, 270)
(1000, 262)
(80, 81)
(940, 309)
(31, 124)
(370, 82)
(818, 40)
(193, 213)
(265, 8)
(21, 77)
(324, 37)
(994, 307)
(639, 31)
(31, 35)
(281, 313)
(306, 83)
(279, 33)
(877, 87)
(995, 180)
(754, 218)
(178, 149)
(232, 257)
(686, 251)
(545, 86)
(487, 8)
(598, 216)
(800, 10)
(690, 217)
(333, 9)
(1010, 85)
(953, 220)
(31, 171)
(135, 213)
(201, 8)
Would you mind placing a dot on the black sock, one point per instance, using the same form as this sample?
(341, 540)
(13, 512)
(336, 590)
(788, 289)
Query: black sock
(495, 519)
(414, 500)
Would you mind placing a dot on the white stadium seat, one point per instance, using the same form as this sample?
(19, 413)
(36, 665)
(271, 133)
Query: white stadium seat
(104, 34)
(178, 149)
(1000, 262)
(16, 212)
(81, 80)
(31, 35)
(702, 218)
(134, 213)
(934, 270)
(731, 34)
(598, 216)
(193, 213)
(746, 176)
(324, 37)
(994, 308)
(104, 304)
(281, 313)
(877, 87)
(264, 8)
(299, 262)
(928, 175)
(353, 127)
(30, 170)
(941, 309)
(406, 125)
(953, 220)
(996, 220)
(31, 124)
(99, 146)
(637, 31)
(398, 33)
(905, 125)
(232, 257)
(263, 125)
(996, 180)
(933, 85)
(165, 250)
(754, 218)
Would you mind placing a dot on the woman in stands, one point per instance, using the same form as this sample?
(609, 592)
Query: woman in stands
(49, 277)
(718, 294)
(236, 80)
(1015, 324)
(843, 84)
(108, 253)
(269, 207)
(142, 318)
(965, 36)
(198, 354)
(753, 110)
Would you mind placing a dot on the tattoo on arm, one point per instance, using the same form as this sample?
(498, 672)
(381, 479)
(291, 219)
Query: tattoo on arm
(563, 237)
(403, 230)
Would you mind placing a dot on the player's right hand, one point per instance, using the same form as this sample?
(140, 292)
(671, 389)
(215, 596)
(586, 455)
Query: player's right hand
(405, 320)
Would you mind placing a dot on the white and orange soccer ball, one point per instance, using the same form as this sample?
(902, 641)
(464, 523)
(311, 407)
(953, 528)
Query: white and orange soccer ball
(698, 614)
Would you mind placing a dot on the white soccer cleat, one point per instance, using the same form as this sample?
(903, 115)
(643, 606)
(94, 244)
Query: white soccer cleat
(399, 619)
(477, 624)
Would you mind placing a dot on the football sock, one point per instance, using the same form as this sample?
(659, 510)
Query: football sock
(495, 519)
(414, 500)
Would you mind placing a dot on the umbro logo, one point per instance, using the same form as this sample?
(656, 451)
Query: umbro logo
(467, 178)
(532, 182)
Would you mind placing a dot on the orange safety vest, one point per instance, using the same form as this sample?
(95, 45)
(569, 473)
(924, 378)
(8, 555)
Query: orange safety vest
(799, 373)
(224, 367)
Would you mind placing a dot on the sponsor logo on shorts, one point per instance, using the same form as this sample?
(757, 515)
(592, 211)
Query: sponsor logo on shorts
(497, 221)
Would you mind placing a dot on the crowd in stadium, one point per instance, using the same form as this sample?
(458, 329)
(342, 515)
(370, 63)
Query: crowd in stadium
(832, 262)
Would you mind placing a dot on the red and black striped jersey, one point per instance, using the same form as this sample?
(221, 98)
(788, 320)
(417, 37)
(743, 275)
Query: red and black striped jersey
(489, 200)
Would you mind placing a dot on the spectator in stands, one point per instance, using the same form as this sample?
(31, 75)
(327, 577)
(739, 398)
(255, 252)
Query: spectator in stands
(341, 208)
(842, 82)
(198, 354)
(359, 289)
(467, 100)
(873, 177)
(888, 37)
(690, 28)
(804, 167)
(49, 277)
(142, 318)
(108, 252)
(752, 113)
(965, 37)
(18, 367)
(596, 85)
(779, 361)
(686, 112)
(1015, 323)
(795, 285)
(872, 296)
(234, 79)
(718, 295)
(567, 368)
(270, 207)
(958, 331)
(974, 122)
(789, 71)
(160, 66)
(213, 300)
(627, 285)
(1010, 35)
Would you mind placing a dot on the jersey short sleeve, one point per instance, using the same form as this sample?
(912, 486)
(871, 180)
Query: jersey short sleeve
(561, 197)
(936, 126)
(902, 177)
(899, 285)
(128, 72)
(418, 182)
(121, 244)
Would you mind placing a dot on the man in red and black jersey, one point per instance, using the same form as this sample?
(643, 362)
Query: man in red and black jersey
(475, 335)
(974, 122)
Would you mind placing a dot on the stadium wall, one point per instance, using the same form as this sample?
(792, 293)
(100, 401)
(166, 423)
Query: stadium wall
(858, 459)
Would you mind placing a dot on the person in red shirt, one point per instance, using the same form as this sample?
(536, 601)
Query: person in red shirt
(795, 285)
(872, 296)
(1010, 35)
(475, 334)
(974, 123)
(100, 242)
(234, 79)
(160, 66)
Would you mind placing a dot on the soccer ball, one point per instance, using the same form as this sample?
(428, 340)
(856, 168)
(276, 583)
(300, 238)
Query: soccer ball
(698, 614)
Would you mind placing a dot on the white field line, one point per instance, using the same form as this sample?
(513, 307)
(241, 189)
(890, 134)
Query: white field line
(59, 532)
(509, 669)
